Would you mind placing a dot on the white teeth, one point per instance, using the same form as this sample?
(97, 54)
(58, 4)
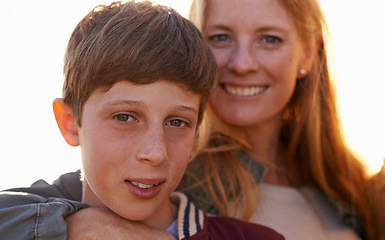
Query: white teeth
(142, 185)
(244, 91)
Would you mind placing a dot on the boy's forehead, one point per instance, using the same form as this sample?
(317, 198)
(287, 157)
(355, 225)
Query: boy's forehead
(139, 83)
(160, 92)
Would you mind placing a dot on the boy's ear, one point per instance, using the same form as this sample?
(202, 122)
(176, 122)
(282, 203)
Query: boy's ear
(66, 121)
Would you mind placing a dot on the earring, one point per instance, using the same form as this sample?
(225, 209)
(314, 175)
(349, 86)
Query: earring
(302, 71)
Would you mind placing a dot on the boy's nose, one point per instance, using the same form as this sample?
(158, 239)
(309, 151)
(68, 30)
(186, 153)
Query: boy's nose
(152, 147)
(243, 60)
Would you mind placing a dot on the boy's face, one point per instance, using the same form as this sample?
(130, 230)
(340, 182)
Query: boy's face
(135, 142)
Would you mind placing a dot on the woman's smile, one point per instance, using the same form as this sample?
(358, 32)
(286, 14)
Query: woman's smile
(243, 91)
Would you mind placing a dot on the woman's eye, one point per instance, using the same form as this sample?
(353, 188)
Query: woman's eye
(219, 38)
(123, 117)
(271, 40)
(177, 123)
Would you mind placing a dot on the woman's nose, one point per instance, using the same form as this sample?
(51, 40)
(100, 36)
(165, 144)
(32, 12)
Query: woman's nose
(243, 60)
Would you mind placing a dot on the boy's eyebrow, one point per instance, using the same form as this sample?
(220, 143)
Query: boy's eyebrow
(141, 104)
(187, 109)
(123, 102)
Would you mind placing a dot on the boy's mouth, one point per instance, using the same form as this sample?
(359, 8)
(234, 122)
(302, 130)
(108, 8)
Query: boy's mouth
(147, 190)
(142, 185)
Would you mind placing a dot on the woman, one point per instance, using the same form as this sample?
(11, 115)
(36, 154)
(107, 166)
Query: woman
(275, 154)
(275, 94)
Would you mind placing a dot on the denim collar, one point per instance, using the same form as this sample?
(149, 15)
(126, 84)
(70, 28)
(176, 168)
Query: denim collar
(347, 215)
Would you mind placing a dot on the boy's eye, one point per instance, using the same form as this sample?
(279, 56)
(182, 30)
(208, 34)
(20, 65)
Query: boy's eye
(123, 117)
(177, 123)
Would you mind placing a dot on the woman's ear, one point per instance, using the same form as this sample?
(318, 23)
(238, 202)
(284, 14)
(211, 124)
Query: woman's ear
(66, 121)
(310, 54)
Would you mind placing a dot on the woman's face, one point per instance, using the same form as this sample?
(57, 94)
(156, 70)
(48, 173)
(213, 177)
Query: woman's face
(259, 53)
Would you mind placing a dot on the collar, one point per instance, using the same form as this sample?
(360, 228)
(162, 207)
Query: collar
(347, 215)
(256, 168)
(190, 218)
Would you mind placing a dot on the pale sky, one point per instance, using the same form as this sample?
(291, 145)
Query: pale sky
(33, 36)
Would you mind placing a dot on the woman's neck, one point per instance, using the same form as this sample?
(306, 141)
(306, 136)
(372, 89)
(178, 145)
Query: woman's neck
(266, 148)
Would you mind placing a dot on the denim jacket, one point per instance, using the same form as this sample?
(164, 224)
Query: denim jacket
(29, 216)
(40, 213)
(201, 197)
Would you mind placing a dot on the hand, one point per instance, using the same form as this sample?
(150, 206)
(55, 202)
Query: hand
(101, 223)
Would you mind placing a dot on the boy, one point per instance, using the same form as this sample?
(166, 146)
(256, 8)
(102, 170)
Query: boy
(137, 79)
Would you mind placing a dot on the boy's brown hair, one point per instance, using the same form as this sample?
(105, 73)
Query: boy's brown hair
(140, 42)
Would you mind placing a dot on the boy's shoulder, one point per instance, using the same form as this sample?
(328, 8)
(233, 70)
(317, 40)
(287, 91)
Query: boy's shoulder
(230, 228)
(194, 224)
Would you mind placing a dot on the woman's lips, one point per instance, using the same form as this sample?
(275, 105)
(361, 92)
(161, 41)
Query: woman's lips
(243, 91)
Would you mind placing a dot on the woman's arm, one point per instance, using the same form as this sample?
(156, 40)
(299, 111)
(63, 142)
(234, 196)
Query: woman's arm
(28, 216)
(41, 211)
(103, 224)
